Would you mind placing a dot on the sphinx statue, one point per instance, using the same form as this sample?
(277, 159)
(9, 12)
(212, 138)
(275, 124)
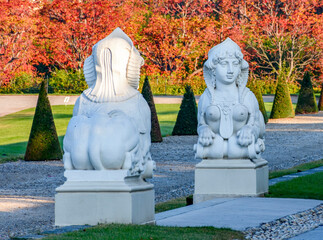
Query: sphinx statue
(230, 125)
(110, 127)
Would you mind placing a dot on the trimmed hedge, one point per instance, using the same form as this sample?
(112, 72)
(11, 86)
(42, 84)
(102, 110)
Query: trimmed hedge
(306, 102)
(320, 104)
(43, 142)
(256, 89)
(282, 106)
(186, 122)
(155, 132)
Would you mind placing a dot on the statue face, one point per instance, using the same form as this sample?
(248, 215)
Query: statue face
(227, 70)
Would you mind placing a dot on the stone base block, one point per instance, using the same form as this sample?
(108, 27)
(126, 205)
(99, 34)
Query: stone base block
(230, 178)
(93, 197)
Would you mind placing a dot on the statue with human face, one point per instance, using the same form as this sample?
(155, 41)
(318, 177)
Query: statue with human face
(230, 125)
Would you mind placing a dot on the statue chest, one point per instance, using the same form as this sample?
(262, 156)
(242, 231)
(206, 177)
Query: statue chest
(226, 118)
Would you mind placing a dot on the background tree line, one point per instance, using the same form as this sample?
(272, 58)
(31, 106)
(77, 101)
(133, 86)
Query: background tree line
(51, 39)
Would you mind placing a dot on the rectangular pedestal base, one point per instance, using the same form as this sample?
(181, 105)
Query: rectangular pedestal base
(230, 178)
(80, 202)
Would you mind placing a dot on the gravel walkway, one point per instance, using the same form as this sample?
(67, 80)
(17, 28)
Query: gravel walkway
(27, 189)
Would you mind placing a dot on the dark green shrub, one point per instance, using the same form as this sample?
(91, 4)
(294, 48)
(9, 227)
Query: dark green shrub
(282, 106)
(155, 133)
(67, 81)
(43, 141)
(306, 102)
(256, 89)
(22, 83)
(186, 122)
(320, 104)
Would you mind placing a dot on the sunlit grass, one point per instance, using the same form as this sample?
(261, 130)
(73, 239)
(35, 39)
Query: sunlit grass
(306, 187)
(15, 128)
(122, 231)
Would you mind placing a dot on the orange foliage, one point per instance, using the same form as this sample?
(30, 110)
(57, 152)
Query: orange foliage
(174, 36)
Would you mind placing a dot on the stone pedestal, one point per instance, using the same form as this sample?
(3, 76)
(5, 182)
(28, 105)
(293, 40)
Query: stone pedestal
(230, 178)
(107, 196)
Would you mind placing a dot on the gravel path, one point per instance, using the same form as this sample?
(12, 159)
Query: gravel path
(27, 188)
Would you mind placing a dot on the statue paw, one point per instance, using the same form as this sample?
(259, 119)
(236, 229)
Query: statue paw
(245, 136)
(206, 136)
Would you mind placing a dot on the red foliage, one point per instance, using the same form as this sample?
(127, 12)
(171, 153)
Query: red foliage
(283, 37)
(71, 27)
(174, 36)
(18, 31)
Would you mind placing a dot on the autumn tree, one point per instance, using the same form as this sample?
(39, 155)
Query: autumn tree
(175, 36)
(282, 36)
(71, 27)
(18, 31)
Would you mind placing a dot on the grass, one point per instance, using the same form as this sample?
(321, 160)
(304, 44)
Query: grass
(119, 231)
(167, 114)
(15, 128)
(299, 168)
(171, 204)
(306, 187)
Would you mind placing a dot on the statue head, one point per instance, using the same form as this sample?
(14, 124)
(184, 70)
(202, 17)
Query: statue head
(230, 51)
(113, 69)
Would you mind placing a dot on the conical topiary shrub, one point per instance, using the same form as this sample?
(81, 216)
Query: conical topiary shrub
(256, 89)
(186, 122)
(155, 133)
(306, 102)
(43, 142)
(320, 104)
(282, 106)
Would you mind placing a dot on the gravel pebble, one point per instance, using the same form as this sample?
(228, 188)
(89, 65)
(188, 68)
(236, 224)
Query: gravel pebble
(288, 226)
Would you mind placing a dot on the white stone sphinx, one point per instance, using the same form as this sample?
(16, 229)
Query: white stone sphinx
(231, 130)
(107, 142)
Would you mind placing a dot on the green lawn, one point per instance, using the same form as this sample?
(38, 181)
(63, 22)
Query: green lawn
(307, 187)
(15, 128)
(171, 204)
(140, 232)
(167, 114)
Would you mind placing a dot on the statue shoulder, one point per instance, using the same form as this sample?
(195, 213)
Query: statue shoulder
(248, 95)
(205, 97)
(249, 99)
